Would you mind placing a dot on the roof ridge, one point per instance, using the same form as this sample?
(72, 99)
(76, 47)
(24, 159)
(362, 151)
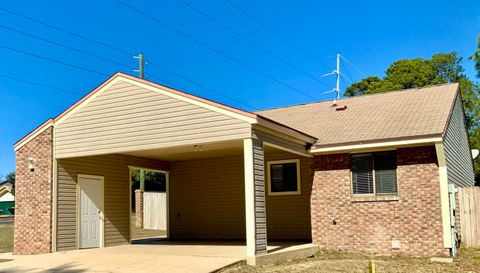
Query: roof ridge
(360, 96)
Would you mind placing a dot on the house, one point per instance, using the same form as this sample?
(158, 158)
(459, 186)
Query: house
(371, 174)
(7, 198)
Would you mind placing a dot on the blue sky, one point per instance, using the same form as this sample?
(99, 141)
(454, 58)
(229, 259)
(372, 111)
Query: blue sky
(371, 35)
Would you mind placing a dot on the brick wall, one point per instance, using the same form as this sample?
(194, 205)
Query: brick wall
(343, 222)
(139, 208)
(33, 196)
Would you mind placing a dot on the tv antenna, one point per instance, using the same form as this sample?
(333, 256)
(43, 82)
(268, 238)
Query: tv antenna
(335, 72)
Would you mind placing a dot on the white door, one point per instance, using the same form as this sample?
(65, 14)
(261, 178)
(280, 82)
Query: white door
(91, 203)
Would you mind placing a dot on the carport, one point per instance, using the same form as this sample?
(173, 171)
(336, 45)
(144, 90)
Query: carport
(162, 256)
(218, 160)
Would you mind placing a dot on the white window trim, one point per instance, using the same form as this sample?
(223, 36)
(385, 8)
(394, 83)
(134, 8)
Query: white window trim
(374, 194)
(299, 188)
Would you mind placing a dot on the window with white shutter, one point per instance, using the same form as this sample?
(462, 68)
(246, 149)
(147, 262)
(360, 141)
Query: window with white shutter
(374, 173)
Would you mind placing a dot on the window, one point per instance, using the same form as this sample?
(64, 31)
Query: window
(284, 177)
(375, 173)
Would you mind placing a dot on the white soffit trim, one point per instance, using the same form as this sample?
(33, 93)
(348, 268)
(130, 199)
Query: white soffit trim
(306, 154)
(375, 145)
(192, 101)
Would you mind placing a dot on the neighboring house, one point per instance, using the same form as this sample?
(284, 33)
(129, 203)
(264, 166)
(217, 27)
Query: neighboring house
(371, 174)
(7, 199)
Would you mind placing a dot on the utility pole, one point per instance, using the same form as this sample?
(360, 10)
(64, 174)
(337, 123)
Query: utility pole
(335, 72)
(141, 63)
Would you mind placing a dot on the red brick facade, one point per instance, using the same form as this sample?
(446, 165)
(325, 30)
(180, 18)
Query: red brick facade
(139, 208)
(33, 196)
(413, 218)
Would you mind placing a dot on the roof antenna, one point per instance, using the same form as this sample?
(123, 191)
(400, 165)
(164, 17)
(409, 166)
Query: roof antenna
(337, 87)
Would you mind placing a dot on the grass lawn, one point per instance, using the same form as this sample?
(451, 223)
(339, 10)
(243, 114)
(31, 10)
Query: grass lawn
(139, 233)
(468, 261)
(6, 238)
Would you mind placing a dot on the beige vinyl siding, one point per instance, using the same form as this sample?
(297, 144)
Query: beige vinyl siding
(280, 142)
(114, 169)
(259, 197)
(288, 216)
(457, 149)
(127, 118)
(207, 199)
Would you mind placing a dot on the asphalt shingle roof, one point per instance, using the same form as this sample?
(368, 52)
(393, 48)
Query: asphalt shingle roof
(401, 114)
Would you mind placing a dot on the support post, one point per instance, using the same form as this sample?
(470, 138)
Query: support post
(445, 206)
(255, 209)
(139, 208)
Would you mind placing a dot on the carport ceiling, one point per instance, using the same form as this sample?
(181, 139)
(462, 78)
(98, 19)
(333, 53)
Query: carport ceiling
(191, 152)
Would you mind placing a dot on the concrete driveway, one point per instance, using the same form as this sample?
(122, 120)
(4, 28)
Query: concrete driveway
(157, 256)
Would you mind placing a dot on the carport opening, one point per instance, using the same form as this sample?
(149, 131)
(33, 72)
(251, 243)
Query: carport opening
(148, 203)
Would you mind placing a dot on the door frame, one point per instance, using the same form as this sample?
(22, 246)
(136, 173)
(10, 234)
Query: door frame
(102, 204)
(167, 189)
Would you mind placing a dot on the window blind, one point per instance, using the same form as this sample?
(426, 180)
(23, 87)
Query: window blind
(362, 174)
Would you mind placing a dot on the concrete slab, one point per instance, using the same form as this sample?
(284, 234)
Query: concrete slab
(441, 260)
(283, 254)
(161, 257)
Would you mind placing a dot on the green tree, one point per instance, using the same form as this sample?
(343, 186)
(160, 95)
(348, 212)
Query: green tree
(441, 68)
(475, 136)
(10, 177)
(476, 57)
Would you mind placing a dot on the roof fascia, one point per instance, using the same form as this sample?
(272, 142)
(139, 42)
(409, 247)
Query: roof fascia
(376, 145)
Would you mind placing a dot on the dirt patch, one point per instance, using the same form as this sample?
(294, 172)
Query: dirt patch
(468, 261)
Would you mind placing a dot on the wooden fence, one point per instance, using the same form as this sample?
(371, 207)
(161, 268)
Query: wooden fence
(469, 209)
(155, 210)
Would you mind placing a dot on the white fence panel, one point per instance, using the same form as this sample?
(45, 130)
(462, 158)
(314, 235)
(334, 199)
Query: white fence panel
(155, 210)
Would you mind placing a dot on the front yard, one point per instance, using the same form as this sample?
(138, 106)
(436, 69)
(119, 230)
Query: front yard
(6, 238)
(326, 262)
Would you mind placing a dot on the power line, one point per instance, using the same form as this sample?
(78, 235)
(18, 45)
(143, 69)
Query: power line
(201, 85)
(249, 41)
(354, 66)
(38, 84)
(277, 34)
(66, 31)
(53, 60)
(107, 46)
(345, 77)
(65, 46)
(213, 49)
